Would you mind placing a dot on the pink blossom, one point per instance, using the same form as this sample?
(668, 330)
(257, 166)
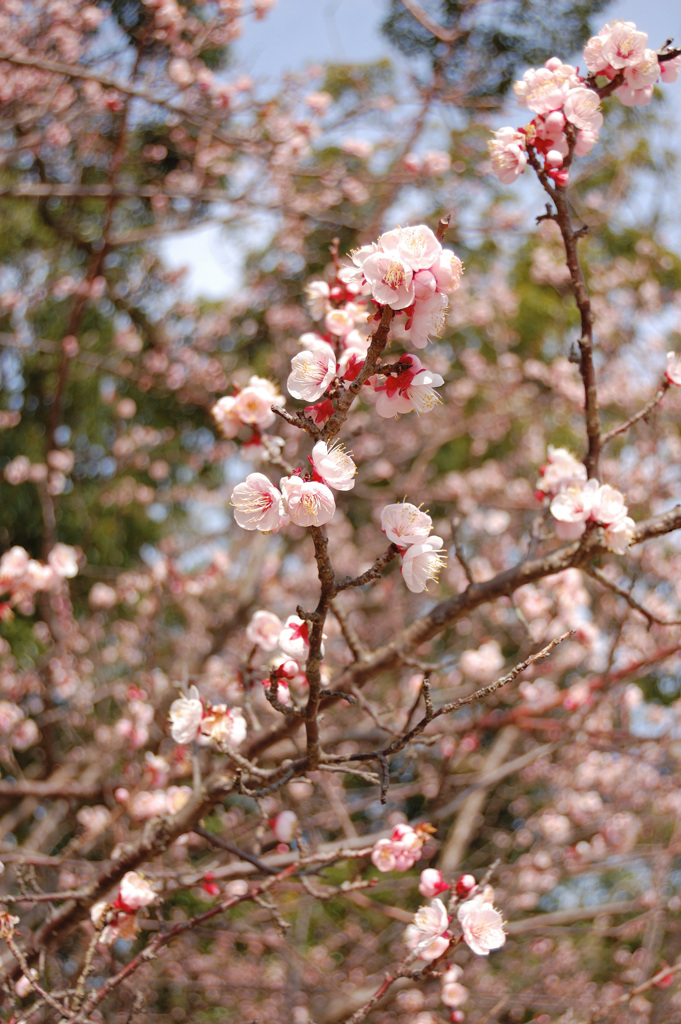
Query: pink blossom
(593, 52)
(436, 162)
(607, 505)
(311, 372)
(334, 465)
(623, 46)
(307, 503)
(383, 855)
(226, 416)
(447, 271)
(253, 404)
(427, 936)
(294, 639)
(404, 523)
(18, 470)
(416, 246)
(339, 322)
(582, 108)
(619, 534)
(185, 716)
(177, 797)
(258, 504)
(422, 562)
(453, 992)
(13, 565)
(669, 69)
(64, 560)
(672, 373)
(631, 97)
(135, 892)
(562, 470)
(509, 158)
(321, 413)
(390, 279)
(224, 726)
(26, 735)
(482, 924)
(283, 693)
(432, 883)
(544, 89)
(285, 825)
(317, 298)
(287, 667)
(264, 629)
(644, 73)
(411, 388)
(102, 596)
(484, 664)
(573, 504)
(428, 319)
(401, 851)
(586, 140)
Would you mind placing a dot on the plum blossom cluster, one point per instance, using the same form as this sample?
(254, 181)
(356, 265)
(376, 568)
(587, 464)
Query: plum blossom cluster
(118, 920)
(575, 501)
(410, 387)
(561, 470)
(250, 406)
(566, 105)
(290, 644)
(20, 731)
(481, 924)
(402, 850)
(337, 353)
(22, 577)
(621, 50)
(422, 558)
(577, 504)
(259, 505)
(408, 270)
(193, 719)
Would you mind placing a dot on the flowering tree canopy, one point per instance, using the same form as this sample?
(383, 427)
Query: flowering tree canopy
(339, 683)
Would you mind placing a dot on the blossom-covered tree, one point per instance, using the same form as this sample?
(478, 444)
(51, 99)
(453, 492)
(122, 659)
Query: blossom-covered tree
(339, 683)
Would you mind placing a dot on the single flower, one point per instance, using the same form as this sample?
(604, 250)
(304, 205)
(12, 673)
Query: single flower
(482, 924)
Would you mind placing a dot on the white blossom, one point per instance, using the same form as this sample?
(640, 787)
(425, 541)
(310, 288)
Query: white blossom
(482, 924)
(185, 716)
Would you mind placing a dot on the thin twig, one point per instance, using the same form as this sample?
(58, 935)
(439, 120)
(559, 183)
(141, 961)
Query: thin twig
(647, 409)
(601, 578)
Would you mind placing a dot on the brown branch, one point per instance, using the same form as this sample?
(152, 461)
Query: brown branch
(350, 635)
(389, 656)
(370, 574)
(445, 35)
(125, 89)
(647, 409)
(478, 695)
(345, 399)
(50, 789)
(601, 578)
(586, 364)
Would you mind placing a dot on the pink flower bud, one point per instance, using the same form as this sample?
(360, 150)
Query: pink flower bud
(554, 122)
(284, 826)
(432, 883)
(209, 885)
(554, 158)
(465, 884)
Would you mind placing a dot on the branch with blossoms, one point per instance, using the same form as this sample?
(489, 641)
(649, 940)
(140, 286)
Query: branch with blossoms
(296, 705)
